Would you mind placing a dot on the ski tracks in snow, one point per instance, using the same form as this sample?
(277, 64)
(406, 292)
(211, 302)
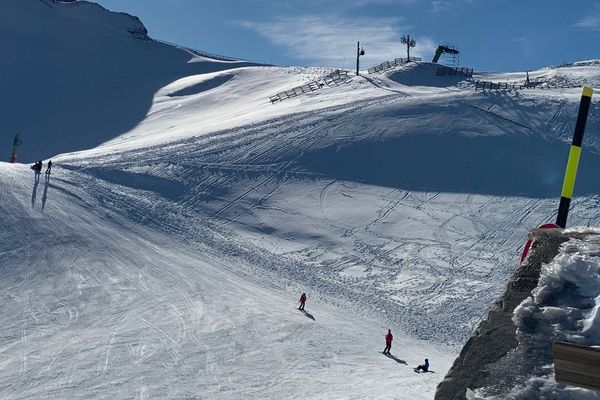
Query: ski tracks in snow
(446, 248)
(241, 171)
(303, 140)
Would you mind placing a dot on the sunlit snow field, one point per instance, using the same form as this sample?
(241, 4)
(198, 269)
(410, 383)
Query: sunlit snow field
(185, 214)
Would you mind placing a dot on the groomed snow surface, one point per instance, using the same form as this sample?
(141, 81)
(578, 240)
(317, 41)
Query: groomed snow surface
(164, 256)
(98, 306)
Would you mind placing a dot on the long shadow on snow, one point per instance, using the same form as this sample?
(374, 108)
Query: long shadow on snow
(507, 165)
(308, 315)
(399, 361)
(169, 189)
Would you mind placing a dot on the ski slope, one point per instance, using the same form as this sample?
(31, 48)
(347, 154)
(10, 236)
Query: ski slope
(165, 255)
(97, 306)
(442, 214)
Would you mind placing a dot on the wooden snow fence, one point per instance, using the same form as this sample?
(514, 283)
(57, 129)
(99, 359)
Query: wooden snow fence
(442, 71)
(328, 80)
(485, 85)
(577, 365)
(391, 64)
(198, 52)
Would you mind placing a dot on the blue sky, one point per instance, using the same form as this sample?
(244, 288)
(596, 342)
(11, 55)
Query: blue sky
(493, 35)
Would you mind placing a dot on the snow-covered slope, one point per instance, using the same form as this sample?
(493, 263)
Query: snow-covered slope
(164, 256)
(414, 200)
(98, 306)
(76, 75)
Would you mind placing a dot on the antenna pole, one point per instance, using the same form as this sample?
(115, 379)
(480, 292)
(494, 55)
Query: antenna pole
(357, 56)
(16, 143)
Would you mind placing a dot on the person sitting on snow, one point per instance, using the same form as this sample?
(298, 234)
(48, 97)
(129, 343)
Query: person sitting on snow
(423, 367)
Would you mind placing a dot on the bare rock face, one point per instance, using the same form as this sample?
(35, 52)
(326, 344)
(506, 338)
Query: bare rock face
(483, 354)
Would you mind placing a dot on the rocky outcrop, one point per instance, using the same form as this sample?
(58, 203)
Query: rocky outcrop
(496, 335)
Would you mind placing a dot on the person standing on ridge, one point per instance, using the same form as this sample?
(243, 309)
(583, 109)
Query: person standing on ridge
(388, 342)
(302, 301)
(49, 167)
(37, 167)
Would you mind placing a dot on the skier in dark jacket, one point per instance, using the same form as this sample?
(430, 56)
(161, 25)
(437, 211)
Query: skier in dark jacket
(388, 342)
(37, 167)
(302, 301)
(423, 367)
(49, 167)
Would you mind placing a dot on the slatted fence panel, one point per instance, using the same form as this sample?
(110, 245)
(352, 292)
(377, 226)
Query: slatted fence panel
(390, 64)
(441, 71)
(330, 79)
(483, 85)
(577, 365)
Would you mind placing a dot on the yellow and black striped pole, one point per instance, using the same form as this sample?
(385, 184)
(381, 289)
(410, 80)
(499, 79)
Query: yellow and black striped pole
(574, 155)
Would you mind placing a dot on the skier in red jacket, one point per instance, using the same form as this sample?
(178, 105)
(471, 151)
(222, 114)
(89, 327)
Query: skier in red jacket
(302, 301)
(388, 342)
